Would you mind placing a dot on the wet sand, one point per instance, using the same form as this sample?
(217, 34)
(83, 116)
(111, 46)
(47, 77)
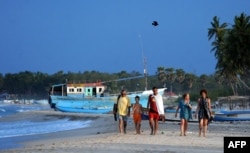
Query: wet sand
(102, 136)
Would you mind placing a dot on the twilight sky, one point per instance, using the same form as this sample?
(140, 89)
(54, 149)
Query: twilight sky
(110, 35)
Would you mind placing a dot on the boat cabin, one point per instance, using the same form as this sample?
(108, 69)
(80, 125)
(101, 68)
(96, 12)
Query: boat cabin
(79, 90)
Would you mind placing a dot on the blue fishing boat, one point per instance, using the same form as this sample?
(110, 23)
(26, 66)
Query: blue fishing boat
(80, 98)
(232, 112)
(87, 97)
(231, 118)
(232, 115)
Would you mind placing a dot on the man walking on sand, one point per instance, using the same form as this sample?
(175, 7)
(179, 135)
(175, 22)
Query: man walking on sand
(123, 108)
(156, 110)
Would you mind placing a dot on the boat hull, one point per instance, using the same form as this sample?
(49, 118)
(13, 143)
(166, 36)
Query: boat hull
(232, 115)
(67, 103)
(82, 110)
(79, 102)
(227, 119)
(229, 112)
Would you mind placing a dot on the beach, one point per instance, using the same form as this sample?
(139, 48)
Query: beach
(102, 136)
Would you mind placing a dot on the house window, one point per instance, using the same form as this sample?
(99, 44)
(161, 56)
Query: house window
(79, 89)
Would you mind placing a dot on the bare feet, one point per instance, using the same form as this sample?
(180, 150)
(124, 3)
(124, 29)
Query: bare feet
(200, 133)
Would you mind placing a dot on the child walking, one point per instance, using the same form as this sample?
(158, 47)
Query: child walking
(137, 111)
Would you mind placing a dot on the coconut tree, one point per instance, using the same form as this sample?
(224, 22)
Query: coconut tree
(180, 76)
(239, 44)
(170, 74)
(161, 74)
(231, 48)
(217, 31)
(240, 47)
(203, 80)
(189, 79)
(218, 78)
(1, 81)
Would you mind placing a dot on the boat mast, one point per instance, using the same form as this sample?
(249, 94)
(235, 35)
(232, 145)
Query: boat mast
(145, 72)
(144, 63)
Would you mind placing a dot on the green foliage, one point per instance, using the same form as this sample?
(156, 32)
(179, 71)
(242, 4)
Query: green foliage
(185, 82)
(36, 84)
(231, 46)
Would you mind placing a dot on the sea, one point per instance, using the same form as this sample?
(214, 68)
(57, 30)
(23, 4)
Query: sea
(13, 131)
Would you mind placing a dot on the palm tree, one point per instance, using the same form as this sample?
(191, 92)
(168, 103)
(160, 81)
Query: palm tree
(203, 80)
(218, 78)
(239, 43)
(170, 74)
(1, 80)
(240, 47)
(161, 74)
(189, 79)
(180, 76)
(235, 61)
(218, 32)
(231, 48)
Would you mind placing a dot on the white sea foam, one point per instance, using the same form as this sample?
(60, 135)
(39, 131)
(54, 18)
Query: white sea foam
(2, 110)
(42, 102)
(25, 127)
(22, 128)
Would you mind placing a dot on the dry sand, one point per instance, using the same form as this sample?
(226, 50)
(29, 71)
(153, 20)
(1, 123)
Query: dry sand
(102, 136)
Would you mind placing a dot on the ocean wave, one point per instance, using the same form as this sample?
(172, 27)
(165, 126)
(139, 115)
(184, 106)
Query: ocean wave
(22, 128)
(3, 110)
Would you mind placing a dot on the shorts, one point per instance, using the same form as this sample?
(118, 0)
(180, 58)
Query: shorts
(154, 116)
(122, 117)
(137, 117)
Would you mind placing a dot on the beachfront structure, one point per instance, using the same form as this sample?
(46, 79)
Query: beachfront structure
(233, 102)
(232, 108)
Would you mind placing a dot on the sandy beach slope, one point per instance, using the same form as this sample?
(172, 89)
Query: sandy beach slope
(102, 136)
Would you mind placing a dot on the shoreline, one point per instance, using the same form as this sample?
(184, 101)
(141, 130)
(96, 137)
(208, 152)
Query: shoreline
(102, 136)
(16, 142)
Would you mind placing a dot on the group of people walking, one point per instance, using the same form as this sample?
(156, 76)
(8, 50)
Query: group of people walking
(155, 109)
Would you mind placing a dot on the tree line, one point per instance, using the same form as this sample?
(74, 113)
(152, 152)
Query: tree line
(36, 84)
